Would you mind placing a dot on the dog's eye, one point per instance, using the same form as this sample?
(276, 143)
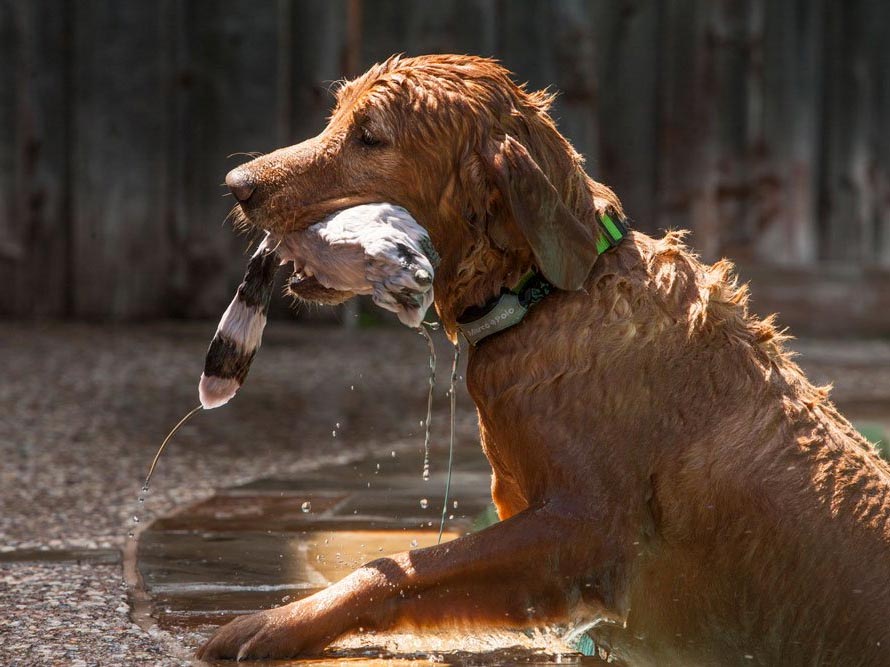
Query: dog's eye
(369, 139)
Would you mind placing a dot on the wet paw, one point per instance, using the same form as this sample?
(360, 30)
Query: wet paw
(277, 633)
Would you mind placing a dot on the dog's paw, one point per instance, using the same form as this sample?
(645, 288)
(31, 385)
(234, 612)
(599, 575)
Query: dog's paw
(278, 633)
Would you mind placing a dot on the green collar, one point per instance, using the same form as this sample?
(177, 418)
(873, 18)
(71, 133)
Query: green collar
(508, 309)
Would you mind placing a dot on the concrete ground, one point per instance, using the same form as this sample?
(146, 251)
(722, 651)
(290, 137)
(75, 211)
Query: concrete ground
(85, 407)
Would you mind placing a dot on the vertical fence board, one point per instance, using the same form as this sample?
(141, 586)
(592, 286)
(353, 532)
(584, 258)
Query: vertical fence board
(684, 123)
(11, 251)
(847, 232)
(415, 28)
(552, 45)
(119, 241)
(787, 141)
(627, 67)
(35, 261)
(877, 79)
(228, 98)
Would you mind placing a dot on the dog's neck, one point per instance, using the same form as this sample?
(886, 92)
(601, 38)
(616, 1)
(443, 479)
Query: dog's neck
(460, 287)
(474, 269)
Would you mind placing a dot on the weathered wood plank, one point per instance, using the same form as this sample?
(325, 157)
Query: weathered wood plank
(415, 28)
(627, 105)
(34, 254)
(227, 100)
(120, 247)
(682, 118)
(11, 251)
(552, 45)
(786, 145)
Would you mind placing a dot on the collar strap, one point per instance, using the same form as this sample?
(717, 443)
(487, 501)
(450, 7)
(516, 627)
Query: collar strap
(508, 309)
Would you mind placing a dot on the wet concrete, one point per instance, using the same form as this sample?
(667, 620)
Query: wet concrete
(258, 545)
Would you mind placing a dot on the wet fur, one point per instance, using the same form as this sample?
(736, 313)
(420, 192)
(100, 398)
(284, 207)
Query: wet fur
(659, 461)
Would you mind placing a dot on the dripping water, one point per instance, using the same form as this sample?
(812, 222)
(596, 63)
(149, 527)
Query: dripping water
(452, 395)
(151, 471)
(422, 330)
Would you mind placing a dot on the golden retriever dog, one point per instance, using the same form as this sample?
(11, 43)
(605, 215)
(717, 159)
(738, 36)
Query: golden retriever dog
(665, 475)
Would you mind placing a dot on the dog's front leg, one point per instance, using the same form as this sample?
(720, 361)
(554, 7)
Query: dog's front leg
(534, 567)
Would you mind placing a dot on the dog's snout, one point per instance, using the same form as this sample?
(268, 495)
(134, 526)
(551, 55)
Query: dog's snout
(241, 183)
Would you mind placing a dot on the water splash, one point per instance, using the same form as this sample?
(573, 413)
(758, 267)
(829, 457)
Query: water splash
(429, 402)
(452, 394)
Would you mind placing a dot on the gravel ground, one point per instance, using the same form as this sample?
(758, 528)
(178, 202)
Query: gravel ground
(85, 407)
(76, 615)
(84, 410)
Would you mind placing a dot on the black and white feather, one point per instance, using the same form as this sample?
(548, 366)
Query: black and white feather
(376, 249)
(240, 330)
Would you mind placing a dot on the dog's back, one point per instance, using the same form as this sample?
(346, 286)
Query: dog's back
(766, 529)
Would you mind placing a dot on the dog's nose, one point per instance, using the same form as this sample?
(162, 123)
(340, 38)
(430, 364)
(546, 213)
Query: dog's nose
(241, 184)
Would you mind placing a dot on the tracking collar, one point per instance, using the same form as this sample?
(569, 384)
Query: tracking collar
(508, 309)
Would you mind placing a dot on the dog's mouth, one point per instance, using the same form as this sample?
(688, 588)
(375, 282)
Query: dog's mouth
(374, 249)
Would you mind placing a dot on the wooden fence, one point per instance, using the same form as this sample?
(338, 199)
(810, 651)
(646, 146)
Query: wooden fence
(763, 126)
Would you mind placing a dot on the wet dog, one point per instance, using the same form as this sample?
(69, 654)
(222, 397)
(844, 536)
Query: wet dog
(666, 476)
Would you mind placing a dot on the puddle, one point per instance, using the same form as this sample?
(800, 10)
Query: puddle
(254, 547)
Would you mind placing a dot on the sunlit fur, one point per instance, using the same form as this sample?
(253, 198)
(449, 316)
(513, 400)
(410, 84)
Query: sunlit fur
(660, 462)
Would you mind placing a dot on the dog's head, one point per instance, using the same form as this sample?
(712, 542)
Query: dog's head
(474, 157)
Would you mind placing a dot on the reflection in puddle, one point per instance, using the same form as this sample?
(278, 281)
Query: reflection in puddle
(254, 547)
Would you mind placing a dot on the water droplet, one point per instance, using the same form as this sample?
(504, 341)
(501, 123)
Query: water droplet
(337, 425)
(333, 434)
(413, 543)
(352, 387)
(131, 534)
(450, 517)
(426, 472)
(393, 452)
(145, 488)
(378, 466)
(424, 503)
(454, 504)
(135, 519)
(141, 500)
(306, 506)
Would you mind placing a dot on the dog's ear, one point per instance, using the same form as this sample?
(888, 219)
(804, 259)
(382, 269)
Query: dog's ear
(564, 248)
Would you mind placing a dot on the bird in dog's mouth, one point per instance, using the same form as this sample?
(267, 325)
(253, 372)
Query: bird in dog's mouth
(374, 249)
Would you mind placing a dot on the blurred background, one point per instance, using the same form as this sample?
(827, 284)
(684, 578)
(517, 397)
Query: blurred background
(764, 127)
